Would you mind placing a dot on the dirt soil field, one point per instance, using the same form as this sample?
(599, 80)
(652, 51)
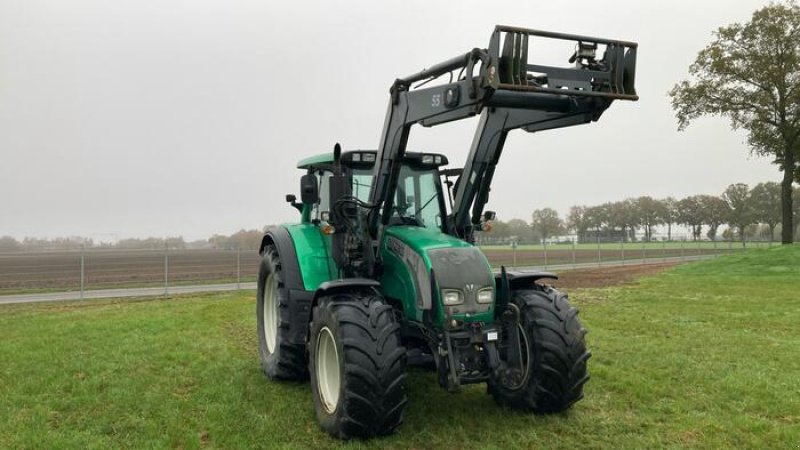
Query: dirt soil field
(605, 276)
(104, 269)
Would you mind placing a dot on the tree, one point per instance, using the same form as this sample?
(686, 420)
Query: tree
(245, 240)
(796, 208)
(546, 223)
(577, 221)
(596, 217)
(690, 214)
(670, 216)
(750, 73)
(219, 241)
(650, 213)
(498, 234)
(766, 203)
(8, 244)
(713, 212)
(623, 216)
(520, 230)
(737, 196)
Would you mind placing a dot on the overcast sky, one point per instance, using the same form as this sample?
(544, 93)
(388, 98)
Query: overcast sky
(143, 117)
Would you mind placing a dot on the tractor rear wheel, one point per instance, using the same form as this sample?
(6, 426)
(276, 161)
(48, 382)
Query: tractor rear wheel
(357, 365)
(280, 359)
(555, 354)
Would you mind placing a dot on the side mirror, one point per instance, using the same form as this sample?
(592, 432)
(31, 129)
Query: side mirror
(292, 200)
(489, 216)
(309, 190)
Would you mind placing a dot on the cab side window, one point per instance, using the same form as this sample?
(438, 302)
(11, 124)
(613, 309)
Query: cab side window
(324, 196)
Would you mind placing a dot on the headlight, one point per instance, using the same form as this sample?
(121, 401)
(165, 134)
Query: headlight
(452, 297)
(485, 295)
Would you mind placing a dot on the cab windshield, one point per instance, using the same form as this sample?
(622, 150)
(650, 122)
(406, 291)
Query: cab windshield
(417, 199)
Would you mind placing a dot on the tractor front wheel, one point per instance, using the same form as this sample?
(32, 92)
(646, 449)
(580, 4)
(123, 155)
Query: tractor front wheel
(554, 354)
(357, 365)
(280, 359)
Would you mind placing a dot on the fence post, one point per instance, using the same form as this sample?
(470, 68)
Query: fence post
(681, 249)
(622, 249)
(598, 249)
(238, 267)
(83, 267)
(166, 269)
(544, 245)
(644, 249)
(514, 252)
(573, 251)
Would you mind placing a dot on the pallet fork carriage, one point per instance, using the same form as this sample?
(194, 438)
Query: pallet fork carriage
(379, 264)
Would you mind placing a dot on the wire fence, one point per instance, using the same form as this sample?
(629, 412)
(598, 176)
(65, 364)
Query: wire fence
(80, 270)
(94, 269)
(571, 253)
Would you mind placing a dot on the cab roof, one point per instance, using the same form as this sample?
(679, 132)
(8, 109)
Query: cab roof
(356, 158)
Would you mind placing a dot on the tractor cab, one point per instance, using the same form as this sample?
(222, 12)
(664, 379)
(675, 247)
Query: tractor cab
(420, 199)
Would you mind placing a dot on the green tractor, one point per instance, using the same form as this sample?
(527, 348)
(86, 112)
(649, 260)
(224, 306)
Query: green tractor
(382, 264)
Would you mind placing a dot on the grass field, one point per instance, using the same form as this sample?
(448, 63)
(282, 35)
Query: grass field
(703, 355)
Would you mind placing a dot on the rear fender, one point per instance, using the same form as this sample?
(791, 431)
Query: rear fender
(292, 281)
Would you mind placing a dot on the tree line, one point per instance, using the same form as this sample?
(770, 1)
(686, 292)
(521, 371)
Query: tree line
(241, 240)
(739, 207)
(746, 212)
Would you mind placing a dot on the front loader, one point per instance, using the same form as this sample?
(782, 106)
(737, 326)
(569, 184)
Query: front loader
(382, 264)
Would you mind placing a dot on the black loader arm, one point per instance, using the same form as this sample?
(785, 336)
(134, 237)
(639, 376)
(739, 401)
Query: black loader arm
(508, 91)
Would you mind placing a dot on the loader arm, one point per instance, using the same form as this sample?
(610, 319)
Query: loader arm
(500, 85)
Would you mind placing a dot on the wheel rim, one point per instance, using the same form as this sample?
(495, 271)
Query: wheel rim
(271, 312)
(327, 362)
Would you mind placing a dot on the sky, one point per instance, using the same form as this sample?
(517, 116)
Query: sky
(135, 118)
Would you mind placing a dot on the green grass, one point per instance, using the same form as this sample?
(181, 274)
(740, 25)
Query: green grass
(705, 355)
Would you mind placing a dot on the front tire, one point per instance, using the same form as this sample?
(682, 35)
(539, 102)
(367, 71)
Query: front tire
(280, 359)
(556, 356)
(357, 365)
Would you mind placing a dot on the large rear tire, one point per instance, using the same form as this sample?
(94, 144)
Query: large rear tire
(556, 354)
(280, 359)
(358, 366)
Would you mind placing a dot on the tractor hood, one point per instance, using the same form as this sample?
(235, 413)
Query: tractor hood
(455, 265)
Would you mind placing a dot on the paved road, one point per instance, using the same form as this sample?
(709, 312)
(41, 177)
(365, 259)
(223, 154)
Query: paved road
(155, 291)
